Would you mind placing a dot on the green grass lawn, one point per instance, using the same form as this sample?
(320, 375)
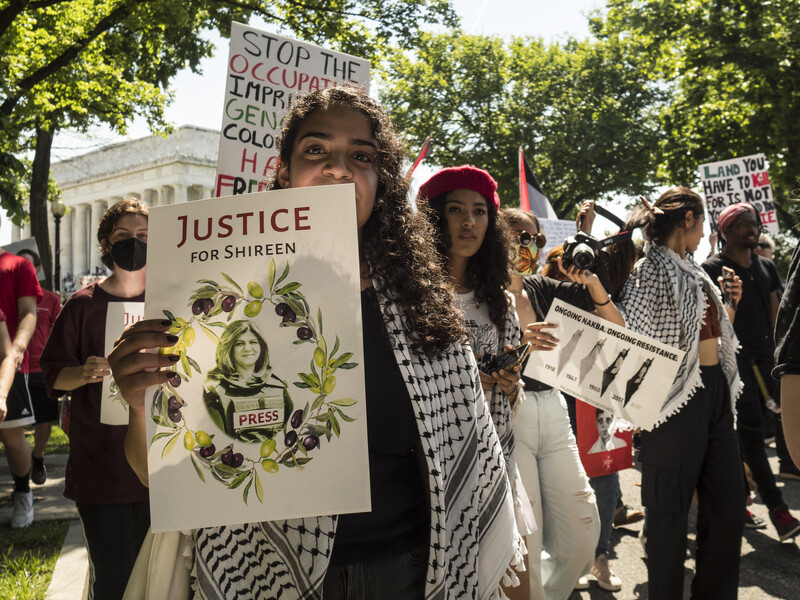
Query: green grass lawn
(28, 557)
(57, 444)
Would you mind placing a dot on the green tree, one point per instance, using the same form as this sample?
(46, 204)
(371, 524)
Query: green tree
(583, 112)
(75, 63)
(733, 73)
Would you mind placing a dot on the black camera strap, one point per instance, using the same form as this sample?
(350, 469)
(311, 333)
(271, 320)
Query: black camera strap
(622, 236)
(610, 216)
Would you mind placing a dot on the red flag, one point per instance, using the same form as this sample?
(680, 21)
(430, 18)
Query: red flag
(420, 158)
(531, 196)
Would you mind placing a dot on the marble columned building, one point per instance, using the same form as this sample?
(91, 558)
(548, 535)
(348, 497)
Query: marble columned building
(157, 170)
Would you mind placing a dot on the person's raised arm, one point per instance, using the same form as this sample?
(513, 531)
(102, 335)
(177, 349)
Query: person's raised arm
(135, 368)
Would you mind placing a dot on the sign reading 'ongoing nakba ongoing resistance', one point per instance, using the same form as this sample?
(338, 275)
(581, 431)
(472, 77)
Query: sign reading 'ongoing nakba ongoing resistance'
(743, 179)
(265, 71)
(267, 420)
(610, 367)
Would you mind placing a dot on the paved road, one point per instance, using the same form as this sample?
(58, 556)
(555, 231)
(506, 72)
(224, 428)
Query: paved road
(769, 569)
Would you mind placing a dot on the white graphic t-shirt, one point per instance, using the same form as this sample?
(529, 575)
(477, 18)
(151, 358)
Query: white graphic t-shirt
(483, 334)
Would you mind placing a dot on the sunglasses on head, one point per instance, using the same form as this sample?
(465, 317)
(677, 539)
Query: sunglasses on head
(526, 239)
(763, 245)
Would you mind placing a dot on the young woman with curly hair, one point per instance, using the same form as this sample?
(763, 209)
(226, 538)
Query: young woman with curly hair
(442, 520)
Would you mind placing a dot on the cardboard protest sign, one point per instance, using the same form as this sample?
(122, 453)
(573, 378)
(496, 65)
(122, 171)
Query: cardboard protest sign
(556, 231)
(610, 367)
(113, 408)
(743, 179)
(603, 446)
(265, 71)
(268, 418)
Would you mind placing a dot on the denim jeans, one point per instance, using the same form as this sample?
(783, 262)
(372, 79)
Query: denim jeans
(562, 499)
(606, 490)
(400, 577)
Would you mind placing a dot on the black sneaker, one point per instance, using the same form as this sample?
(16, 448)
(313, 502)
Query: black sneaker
(785, 524)
(38, 470)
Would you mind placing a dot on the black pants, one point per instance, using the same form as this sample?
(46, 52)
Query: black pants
(696, 448)
(114, 534)
(750, 426)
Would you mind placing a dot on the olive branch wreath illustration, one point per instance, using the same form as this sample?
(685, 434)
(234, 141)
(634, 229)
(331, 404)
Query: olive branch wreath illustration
(307, 426)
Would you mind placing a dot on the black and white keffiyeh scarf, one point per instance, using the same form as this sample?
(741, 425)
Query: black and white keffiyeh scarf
(473, 539)
(665, 299)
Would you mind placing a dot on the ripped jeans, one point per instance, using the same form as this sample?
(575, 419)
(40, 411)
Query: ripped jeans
(562, 499)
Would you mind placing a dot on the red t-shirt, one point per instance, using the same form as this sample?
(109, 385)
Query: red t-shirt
(97, 470)
(46, 312)
(17, 280)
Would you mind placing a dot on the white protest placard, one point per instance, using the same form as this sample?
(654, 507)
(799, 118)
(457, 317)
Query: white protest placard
(743, 179)
(268, 418)
(556, 231)
(265, 71)
(608, 366)
(113, 408)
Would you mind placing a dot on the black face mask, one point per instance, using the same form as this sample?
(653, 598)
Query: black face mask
(130, 254)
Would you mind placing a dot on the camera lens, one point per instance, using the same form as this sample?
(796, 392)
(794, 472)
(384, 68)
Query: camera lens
(583, 256)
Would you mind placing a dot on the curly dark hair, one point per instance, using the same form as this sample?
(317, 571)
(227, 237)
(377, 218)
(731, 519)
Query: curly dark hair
(109, 220)
(489, 270)
(397, 243)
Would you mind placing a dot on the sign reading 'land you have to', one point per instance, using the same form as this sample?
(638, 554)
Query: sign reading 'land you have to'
(743, 179)
(265, 71)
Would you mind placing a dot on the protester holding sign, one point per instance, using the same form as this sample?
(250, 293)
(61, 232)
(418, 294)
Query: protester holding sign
(474, 248)
(435, 527)
(694, 446)
(112, 503)
(550, 466)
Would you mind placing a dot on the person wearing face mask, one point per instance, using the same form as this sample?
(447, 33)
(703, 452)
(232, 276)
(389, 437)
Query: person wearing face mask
(113, 505)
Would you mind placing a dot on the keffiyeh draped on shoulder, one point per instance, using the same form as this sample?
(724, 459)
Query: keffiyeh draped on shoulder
(473, 539)
(665, 299)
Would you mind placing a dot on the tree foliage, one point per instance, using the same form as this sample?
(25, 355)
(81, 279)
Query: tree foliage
(583, 112)
(733, 71)
(77, 63)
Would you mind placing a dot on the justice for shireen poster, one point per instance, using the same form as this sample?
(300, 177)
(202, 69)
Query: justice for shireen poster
(268, 419)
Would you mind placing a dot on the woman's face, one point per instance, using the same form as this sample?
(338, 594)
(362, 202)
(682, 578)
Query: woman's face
(694, 230)
(246, 350)
(335, 146)
(524, 261)
(466, 214)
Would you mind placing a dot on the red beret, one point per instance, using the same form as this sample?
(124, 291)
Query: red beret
(730, 214)
(465, 177)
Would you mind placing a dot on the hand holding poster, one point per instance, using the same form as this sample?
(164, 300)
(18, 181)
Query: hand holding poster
(608, 366)
(743, 179)
(119, 315)
(267, 420)
(265, 71)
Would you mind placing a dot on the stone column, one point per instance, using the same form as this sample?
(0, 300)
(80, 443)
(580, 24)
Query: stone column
(165, 196)
(80, 262)
(98, 208)
(26, 231)
(16, 233)
(67, 223)
(181, 193)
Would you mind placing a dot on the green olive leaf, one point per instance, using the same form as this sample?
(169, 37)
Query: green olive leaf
(230, 280)
(301, 385)
(344, 416)
(169, 446)
(210, 282)
(317, 402)
(240, 478)
(194, 364)
(284, 274)
(289, 287)
(335, 425)
(271, 273)
(187, 368)
(159, 436)
(335, 346)
(348, 366)
(169, 315)
(246, 490)
(344, 402)
(198, 469)
(311, 380)
(319, 321)
(259, 489)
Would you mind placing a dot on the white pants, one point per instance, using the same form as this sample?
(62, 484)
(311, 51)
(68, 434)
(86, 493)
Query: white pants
(562, 499)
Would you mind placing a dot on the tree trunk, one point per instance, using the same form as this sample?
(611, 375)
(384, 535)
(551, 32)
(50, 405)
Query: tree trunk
(40, 175)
